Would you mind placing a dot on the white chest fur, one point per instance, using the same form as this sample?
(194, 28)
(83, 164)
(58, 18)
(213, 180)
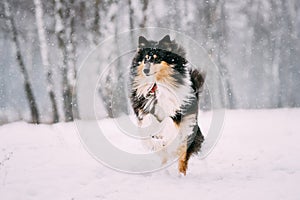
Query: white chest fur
(171, 98)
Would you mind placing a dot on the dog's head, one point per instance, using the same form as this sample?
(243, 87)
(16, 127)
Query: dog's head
(159, 61)
(160, 75)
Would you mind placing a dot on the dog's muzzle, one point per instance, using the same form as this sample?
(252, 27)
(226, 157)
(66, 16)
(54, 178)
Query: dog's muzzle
(146, 69)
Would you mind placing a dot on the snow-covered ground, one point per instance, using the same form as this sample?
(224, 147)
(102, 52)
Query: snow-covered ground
(257, 157)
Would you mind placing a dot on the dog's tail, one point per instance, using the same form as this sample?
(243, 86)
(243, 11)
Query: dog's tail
(197, 79)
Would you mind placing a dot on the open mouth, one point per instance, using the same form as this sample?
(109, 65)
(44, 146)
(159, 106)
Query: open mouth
(150, 74)
(153, 89)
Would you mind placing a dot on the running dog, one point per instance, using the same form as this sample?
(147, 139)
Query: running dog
(163, 84)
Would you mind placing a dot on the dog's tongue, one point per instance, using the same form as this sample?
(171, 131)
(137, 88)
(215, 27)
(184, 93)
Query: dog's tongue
(154, 88)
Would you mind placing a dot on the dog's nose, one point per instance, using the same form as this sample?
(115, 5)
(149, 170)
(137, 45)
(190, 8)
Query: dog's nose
(146, 69)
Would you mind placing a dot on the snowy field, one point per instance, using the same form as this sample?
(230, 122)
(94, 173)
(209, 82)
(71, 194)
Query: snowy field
(257, 157)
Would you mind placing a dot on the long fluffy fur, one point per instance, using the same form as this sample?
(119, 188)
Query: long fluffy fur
(164, 85)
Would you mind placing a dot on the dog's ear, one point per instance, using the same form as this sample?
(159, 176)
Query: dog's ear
(166, 40)
(142, 42)
(165, 43)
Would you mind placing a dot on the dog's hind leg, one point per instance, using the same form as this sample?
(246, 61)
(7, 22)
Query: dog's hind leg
(186, 126)
(196, 144)
(182, 162)
(186, 151)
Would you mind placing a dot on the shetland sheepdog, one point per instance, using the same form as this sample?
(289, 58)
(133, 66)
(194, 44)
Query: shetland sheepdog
(164, 84)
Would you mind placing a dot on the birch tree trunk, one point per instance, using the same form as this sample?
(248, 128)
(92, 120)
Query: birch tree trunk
(64, 28)
(96, 22)
(222, 38)
(212, 33)
(71, 57)
(60, 34)
(144, 12)
(131, 13)
(290, 16)
(45, 58)
(27, 84)
(113, 87)
(277, 33)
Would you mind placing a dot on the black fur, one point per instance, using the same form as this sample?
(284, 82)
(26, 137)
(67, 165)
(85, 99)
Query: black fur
(196, 139)
(177, 118)
(195, 146)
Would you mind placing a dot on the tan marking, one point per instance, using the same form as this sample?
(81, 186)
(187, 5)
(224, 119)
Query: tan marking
(182, 162)
(177, 125)
(154, 56)
(146, 56)
(163, 72)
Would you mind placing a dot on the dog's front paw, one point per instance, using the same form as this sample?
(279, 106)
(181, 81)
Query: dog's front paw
(140, 122)
(158, 142)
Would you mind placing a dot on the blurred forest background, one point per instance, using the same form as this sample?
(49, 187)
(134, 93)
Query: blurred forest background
(254, 43)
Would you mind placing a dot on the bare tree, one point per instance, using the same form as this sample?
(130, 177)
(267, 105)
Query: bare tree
(106, 89)
(113, 84)
(209, 13)
(71, 56)
(65, 28)
(220, 40)
(276, 33)
(145, 4)
(44, 54)
(92, 17)
(273, 51)
(289, 53)
(27, 84)
(131, 15)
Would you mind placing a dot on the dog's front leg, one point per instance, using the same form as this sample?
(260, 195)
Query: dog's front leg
(158, 113)
(140, 117)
